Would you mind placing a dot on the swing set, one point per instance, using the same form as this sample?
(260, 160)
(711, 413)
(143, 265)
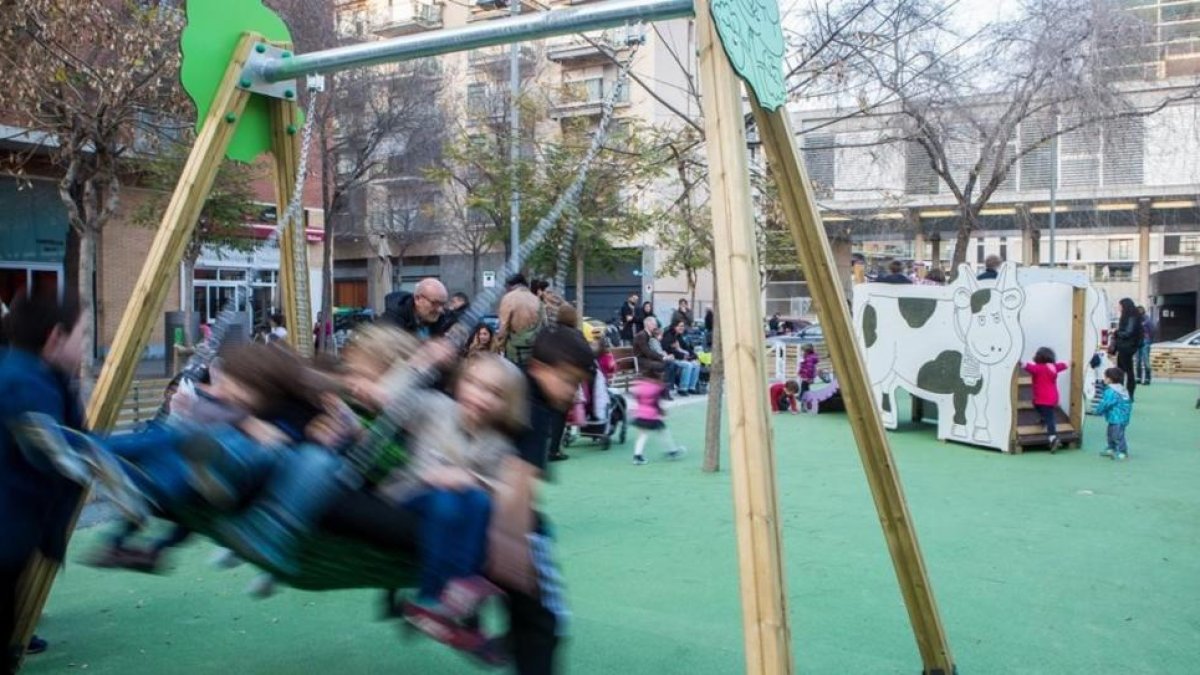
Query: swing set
(240, 70)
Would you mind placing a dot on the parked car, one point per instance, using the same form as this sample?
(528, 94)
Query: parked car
(808, 334)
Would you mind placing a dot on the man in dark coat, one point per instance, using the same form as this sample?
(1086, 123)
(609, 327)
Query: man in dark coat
(895, 274)
(991, 268)
(420, 312)
(36, 503)
(628, 315)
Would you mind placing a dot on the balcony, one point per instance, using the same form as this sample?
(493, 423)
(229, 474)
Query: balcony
(407, 18)
(585, 98)
(574, 50)
(496, 59)
(485, 10)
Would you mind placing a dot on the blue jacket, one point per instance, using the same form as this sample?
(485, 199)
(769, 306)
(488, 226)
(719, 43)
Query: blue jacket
(36, 505)
(1115, 405)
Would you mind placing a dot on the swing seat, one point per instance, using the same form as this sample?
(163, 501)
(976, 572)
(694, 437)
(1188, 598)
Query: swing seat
(327, 562)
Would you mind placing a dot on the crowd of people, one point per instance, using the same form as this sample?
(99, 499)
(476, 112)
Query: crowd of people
(410, 443)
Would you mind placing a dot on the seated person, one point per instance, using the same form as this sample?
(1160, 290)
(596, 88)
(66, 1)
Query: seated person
(647, 347)
(676, 344)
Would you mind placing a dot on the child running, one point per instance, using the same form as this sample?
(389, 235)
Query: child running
(808, 368)
(649, 416)
(1117, 407)
(1044, 371)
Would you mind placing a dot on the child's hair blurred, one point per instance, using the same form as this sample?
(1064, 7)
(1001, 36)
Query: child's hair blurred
(30, 321)
(279, 377)
(1115, 375)
(382, 346)
(562, 347)
(791, 387)
(1044, 355)
(808, 348)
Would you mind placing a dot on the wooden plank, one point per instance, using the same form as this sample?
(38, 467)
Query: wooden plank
(820, 270)
(1040, 429)
(293, 244)
(1017, 406)
(1079, 356)
(142, 310)
(765, 621)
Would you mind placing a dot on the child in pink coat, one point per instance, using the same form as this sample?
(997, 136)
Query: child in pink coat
(808, 368)
(1044, 371)
(648, 415)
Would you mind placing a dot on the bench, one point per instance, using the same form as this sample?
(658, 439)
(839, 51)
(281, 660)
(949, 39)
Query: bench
(627, 367)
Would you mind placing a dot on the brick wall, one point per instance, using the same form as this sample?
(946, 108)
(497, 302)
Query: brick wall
(123, 250)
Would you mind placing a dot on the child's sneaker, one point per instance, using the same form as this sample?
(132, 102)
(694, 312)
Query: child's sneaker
(1107, 452)
(1120, 456)
(676, 453)
(638, 460)
(261, 586)
(224, 559)
(1055, 444)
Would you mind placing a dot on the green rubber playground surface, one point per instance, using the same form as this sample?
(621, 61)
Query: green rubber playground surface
(1041, 564)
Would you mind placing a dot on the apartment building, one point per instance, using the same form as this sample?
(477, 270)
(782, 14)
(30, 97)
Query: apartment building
(572, 75)
(1126, 203)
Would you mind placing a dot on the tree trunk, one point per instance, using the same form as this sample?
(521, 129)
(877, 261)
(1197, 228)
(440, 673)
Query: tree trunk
(579, 281)
(716, 388)
(71, 267)
(327, 299)
(87, 301)
(962, 240)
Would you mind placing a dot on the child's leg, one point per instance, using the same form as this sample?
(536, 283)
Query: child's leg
(805, 385)
(640, 446)
(1122, 445)
(175, 537)
(305, 483)
(1048, 419)
(453, 531)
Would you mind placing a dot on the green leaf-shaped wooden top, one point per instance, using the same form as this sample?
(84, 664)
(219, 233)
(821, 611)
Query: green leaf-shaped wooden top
(212, 32)
(753, 39)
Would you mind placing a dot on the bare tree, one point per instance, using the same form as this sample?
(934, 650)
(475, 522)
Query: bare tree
(98, 100)
(376, 127)
(969, 109)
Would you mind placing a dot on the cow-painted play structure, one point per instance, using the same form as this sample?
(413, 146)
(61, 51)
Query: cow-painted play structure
(961, 347)
(240, 69)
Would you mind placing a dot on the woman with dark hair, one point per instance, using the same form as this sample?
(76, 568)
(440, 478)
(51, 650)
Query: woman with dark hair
(1127, 341)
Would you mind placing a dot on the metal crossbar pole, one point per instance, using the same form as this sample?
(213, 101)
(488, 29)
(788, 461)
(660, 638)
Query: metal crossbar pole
(534, 26)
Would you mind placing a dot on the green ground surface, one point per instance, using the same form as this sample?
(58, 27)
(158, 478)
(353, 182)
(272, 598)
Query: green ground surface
(1041, 564)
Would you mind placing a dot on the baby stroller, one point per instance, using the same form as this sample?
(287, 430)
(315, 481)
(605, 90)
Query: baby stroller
(599, 425)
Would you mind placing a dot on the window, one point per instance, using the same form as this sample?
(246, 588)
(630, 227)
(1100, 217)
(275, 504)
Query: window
(1120, 249)
(820, 160)
(1004, 248)
(919, 176)
(979, 251)
(1189, 244)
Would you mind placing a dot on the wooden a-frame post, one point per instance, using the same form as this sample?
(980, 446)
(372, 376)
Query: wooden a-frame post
(816, 257)
(751, 457)
(162, 262)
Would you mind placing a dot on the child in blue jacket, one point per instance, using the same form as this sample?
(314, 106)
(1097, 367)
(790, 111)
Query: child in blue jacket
(1116, 406)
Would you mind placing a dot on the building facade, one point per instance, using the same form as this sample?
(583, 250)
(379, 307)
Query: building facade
(1125, 198)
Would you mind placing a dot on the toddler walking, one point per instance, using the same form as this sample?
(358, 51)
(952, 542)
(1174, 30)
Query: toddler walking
(1044, 371)
(808, 368)
(648, 415)
(1116, 406)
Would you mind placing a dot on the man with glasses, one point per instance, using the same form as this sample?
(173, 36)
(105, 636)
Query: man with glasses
(420, 312)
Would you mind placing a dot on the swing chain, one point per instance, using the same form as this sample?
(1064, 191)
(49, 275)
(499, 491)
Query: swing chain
(206, 351)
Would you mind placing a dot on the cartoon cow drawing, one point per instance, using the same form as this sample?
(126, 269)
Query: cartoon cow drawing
(955, 345)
